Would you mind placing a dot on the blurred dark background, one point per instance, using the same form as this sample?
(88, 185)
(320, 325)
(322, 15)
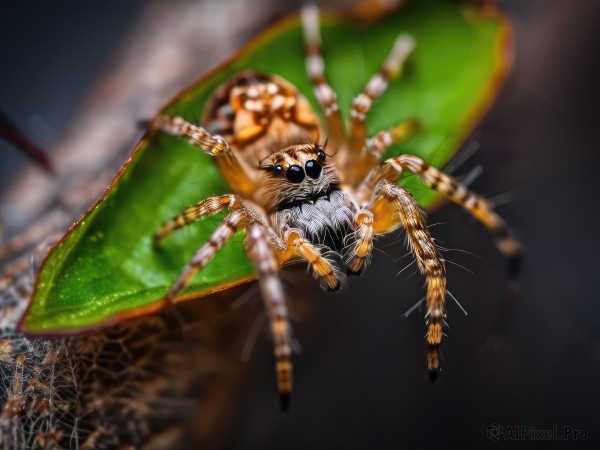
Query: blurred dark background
(360, 380)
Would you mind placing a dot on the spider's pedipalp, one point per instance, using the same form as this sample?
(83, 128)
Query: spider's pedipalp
(266, 268)
(359, 256)
(323, 269)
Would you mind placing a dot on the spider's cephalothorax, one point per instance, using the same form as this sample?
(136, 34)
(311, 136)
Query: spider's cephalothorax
(324, 204)
(303, 191)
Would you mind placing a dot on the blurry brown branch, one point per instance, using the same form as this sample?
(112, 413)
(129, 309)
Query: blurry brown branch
(10, 132)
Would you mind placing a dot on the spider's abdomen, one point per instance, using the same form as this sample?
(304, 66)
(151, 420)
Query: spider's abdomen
(326, 220)
(255, 113)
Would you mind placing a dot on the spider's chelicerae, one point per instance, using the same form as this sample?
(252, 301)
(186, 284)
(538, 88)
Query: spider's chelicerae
(309, 201)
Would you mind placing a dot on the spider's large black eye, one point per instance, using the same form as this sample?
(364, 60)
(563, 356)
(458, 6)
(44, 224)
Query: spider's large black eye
(321, 155)
(277, 170)
(295, 174)
(313, 169)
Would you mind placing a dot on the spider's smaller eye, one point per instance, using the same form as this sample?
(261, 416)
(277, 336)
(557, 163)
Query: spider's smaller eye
(321, 155)
(295, 174)
(313, 169)
(277, 170)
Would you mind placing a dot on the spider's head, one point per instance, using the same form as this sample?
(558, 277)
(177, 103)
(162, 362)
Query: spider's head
(297, 163)
(299, 171)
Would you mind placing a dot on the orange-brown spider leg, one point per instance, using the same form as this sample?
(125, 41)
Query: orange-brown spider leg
(374, 148)
(378, 83)
(359, 256)
(266, 267)
(234, 172)
(378, 144)
(224, 231)
(391, 169)
(392, 206)
(315, 66)
(323, 269)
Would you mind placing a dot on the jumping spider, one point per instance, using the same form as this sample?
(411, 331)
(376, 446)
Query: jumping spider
(306, 200)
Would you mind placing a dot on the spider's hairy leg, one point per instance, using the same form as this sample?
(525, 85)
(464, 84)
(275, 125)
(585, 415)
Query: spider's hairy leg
(204, 208)
(378, 144)
(392, 205)
(359, 256)
(375, 147)
(391, 169)
(197, 136)
(315, 67)
(266, 267)
(322, 268)
(224, 231)
(392, 66)
(234, 172)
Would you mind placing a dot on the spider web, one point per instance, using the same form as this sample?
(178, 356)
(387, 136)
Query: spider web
(38, 391)
(99, 391)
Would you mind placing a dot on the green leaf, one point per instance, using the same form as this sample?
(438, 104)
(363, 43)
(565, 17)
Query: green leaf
(106, 268)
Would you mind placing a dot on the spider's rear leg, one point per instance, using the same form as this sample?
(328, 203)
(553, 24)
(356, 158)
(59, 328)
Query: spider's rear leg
(266, 267)
(364, 152)
(315, 66)
(234, 172)
(378, 144)
(375, 87)
(392, 206)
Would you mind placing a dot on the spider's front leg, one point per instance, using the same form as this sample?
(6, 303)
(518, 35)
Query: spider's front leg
(392, 206)
(391, 170)
(240, 214)
(265, 263)
(224, 231)
(232, 168)
(266, 250)
(266, 267)
(267, 253)
(204, 208)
